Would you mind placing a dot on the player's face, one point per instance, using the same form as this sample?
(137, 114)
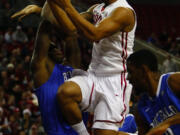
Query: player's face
(136, 78)
(56, 54)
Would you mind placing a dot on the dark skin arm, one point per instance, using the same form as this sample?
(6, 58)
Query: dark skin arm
(72, 50)
(62, 17)
(39, 58)
(174, 83)
(162, 127)
(121, 19)
(41, 64)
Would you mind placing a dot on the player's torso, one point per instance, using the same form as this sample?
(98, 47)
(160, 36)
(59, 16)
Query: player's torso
(164, 105)
(109, 54)
(50, 113)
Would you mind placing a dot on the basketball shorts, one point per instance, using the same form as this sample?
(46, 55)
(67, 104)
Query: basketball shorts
(105, 96)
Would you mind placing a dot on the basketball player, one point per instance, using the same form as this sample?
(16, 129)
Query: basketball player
(49, 72)
(160, 101)
(35, 9)
(103, 89)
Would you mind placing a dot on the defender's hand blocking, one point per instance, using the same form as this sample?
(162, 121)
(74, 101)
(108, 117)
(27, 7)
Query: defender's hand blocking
(30, 9)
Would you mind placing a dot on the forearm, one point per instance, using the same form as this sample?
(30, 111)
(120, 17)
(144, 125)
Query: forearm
(72, 52)
(42, 42)
(63, 20)
(86, 28)
(173, 120)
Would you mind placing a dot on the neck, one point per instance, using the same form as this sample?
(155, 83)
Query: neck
(153, 81)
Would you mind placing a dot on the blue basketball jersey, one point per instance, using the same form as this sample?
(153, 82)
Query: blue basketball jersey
(159, 108)
(129, 125)
(52, 119)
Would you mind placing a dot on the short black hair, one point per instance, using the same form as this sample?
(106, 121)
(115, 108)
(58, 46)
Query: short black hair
(144, 57)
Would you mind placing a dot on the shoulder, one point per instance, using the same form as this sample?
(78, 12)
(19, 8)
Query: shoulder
(173, 82)
(123, 12)
(124, 16)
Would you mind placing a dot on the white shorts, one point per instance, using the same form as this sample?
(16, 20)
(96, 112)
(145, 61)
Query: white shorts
(106, 97)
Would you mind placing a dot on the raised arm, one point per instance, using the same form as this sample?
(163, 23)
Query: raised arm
(30, 9)
(62, 18)
(122, 19)
(174, 83)
(72, 51)
(42, 43)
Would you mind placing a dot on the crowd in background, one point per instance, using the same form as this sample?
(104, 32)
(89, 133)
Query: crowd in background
(168, 41)
(19, 114)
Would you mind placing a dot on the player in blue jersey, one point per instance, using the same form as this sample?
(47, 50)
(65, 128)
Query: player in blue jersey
(48, 74)
(159, 102)
(49, 70)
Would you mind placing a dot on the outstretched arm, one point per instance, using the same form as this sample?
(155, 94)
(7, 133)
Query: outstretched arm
(72, 50)
(61, 17)
(162, 127)
(42, 43)
(122, 19)
(30, 9)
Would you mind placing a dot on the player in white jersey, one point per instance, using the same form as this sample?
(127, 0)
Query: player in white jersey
(103, 89)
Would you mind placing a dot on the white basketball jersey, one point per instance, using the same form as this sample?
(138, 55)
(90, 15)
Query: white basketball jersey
(109, 54)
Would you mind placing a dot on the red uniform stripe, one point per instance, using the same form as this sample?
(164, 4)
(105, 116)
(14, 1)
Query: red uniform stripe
(90, 98)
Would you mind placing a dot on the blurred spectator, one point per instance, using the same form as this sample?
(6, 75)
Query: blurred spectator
(4, 124)
(1, 37)
(8, 36)
(174, 49)
(27, 121)
(152, 39)
(19, 35)
(169, 65)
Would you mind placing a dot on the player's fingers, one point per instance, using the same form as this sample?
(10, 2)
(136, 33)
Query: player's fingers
(17, 14)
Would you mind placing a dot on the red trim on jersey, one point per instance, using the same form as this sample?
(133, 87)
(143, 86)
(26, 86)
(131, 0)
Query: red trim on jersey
(122, 43)
(124, 66)
(123, 78)
(108, 121)
(90, 98)
(102, 9)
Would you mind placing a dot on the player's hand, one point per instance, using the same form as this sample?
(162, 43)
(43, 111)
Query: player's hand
(158, 130)
(30, 9)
